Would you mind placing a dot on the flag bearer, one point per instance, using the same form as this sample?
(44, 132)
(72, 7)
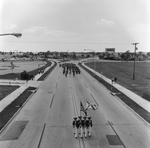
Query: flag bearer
(86, 127)
(90, 126)
(80, 126)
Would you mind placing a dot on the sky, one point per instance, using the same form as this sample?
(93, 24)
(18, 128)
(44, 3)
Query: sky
(75, 25)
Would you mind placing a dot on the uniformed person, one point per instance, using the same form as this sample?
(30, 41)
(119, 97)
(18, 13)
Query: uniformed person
(73, 73)
(90, 126)
(74, 124)
(77, 127)
(84, 127)
(80, 126)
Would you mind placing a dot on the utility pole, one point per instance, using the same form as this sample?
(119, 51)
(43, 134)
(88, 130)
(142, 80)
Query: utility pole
(134, 59)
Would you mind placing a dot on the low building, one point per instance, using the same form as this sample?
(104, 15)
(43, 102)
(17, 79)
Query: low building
(110, 50)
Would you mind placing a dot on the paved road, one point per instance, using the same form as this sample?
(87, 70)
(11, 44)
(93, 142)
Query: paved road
(48, 117)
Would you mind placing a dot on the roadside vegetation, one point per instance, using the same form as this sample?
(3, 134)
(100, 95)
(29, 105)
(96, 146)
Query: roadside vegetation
(14, 106)
(124, 73)
(5, 90)
(133, 105)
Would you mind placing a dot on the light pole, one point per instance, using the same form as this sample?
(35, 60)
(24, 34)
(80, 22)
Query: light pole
(93, 58)
(134, 59)
(18, 35)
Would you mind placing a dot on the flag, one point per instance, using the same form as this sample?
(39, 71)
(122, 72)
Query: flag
(92, 106)
(88, 105)
(82, 107)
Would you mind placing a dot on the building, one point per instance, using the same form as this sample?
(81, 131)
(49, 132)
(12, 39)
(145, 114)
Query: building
(110, 50)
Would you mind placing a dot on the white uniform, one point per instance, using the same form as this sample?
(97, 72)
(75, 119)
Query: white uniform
(90, 127)
(74, 126)
(80, 126)
(81, 129)
(86, 127)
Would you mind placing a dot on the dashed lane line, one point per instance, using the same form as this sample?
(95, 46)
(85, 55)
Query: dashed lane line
(41, 136)
(52, 101)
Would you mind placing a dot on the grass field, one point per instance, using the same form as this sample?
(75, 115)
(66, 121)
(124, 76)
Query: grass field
(20, 66)
(32, 67)
(6, 90)
(12, 108)
(124, 73)
(129, 102)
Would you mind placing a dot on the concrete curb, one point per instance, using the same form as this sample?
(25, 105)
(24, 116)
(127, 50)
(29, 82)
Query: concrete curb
(146, 123)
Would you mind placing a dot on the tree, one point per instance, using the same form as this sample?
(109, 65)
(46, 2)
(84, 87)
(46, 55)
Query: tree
(127, 55)
(122, 56)
(24, 75)
(82, 55)
(74, 55)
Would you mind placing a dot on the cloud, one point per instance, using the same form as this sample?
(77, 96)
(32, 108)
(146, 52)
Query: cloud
(104, 22)
(35, 29)
(59, 33)
(11, 26)
(46, 31)
(140, 28)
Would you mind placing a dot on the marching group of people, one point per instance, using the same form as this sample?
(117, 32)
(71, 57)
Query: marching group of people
(82, 126)
(70, 68)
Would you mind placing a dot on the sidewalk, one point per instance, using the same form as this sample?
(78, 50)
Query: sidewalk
(23, 85)
(139, 100)
(11, 97)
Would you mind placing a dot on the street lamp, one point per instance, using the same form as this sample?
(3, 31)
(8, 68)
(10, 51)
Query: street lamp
(18, 35)
(134, 59)
(93, 58)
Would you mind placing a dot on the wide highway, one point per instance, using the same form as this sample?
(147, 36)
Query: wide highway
(46, 119)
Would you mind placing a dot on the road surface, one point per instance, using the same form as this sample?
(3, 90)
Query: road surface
(46, 119)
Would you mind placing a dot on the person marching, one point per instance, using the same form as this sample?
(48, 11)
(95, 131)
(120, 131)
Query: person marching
(86, 127)
(77, 127)
(90, 126)
(80, 126)
(74, 126)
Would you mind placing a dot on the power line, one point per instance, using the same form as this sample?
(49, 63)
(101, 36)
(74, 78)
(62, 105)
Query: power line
(48, 42)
